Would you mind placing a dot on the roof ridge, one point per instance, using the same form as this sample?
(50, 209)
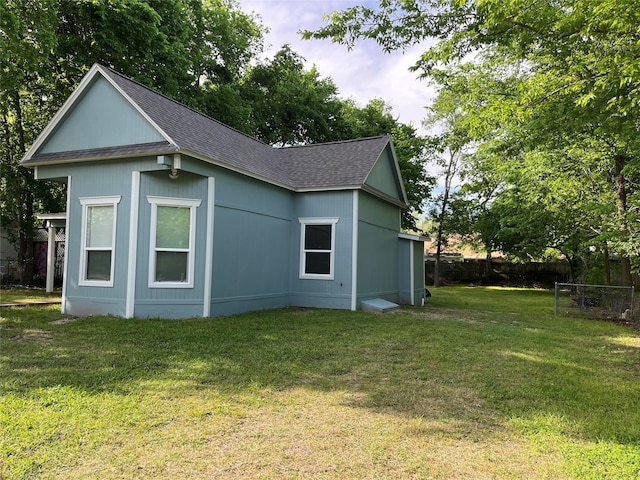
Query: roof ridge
(335, 142)
(156, 92)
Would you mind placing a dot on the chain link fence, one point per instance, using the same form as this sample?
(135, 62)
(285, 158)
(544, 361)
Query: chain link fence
(597, 301)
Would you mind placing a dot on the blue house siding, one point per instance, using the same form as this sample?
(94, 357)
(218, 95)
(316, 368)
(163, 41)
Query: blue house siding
(384, 176)
(411, 274)
(98, 180)
(378, 225)
(334, 293)
(251, 258)
(169, 302)
(247, 200)
(103, 118)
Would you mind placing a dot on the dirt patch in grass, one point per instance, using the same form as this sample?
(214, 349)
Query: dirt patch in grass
(34, 335)
(62, 321)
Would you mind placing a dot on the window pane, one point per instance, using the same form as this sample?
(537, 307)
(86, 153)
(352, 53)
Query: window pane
(317, 237)
(98, 265)
(171, 266)
(99, 226)
(172, 230)
(318, 263)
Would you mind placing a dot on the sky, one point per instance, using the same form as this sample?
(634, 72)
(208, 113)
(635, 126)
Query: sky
(363, 73)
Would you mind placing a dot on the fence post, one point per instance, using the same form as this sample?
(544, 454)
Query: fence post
(555, 303)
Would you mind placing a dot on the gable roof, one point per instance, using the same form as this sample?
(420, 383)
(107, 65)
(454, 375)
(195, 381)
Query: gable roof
(333, 165)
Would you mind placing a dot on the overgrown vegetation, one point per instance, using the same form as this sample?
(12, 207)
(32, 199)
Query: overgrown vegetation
(481, 383)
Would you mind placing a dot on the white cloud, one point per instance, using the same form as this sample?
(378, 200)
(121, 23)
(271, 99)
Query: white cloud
(363, 73)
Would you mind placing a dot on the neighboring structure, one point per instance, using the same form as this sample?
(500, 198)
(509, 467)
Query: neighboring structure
(173, 214)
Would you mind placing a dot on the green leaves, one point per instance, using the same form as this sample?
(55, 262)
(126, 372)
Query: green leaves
(540, 86)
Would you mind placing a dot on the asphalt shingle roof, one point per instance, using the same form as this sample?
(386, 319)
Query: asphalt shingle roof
(316, 166)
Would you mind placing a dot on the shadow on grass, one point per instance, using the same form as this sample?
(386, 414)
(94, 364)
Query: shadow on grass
(472, 368)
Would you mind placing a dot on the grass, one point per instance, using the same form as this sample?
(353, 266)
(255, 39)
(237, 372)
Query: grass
(27, 295)
(481, 383)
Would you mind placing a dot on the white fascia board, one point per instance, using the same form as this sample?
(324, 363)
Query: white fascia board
(397, 168)
(413, 238)
(377, 193)
(328, 189)
(136, 106)
(404, 201)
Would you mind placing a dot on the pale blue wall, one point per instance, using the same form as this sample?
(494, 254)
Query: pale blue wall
(334, 293)
(251, 257)
(383, 175)
(406, 270)
(170, 302)
(251, 249)
(256, 247)
(103, 118)
(97, 179)
(378, 226)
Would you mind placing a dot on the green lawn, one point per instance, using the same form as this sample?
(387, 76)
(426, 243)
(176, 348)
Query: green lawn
(27, 295)
(481, 383)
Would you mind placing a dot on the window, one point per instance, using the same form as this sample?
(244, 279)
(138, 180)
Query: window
(173, 233)
(317, 243)
(98, 241)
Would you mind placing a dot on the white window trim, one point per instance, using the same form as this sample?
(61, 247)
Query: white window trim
(86, 202)
(304, 221)
(192, 204)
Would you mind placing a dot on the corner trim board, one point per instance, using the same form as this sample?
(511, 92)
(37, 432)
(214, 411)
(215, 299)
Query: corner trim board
(354, 252)
(133, 244)
(65, 265)
(208, 262)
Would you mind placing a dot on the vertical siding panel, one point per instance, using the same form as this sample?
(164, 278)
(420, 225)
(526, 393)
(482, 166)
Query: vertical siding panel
(118, 123)
(334, 293)
(378, 254)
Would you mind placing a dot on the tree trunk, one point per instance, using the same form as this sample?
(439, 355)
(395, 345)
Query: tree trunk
(621, 194)
(607, 265)
(24, 199)
(488, 267)
(450, 172)
(436, 272)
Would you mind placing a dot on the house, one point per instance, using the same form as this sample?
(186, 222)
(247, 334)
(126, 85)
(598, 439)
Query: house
(172, 214)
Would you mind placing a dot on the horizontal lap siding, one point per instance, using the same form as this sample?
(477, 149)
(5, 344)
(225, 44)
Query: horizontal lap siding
(406, 269)
(103, 118)
(418, 272)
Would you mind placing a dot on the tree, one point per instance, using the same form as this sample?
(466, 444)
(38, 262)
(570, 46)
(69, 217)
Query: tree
(576, 65)
(376, 118)
(47, 46)
(290, 105)
(27, 36)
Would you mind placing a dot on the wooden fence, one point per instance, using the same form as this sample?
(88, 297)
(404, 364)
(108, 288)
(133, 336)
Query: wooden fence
(497, 272)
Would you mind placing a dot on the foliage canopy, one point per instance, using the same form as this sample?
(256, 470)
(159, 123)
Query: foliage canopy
(551, 92)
